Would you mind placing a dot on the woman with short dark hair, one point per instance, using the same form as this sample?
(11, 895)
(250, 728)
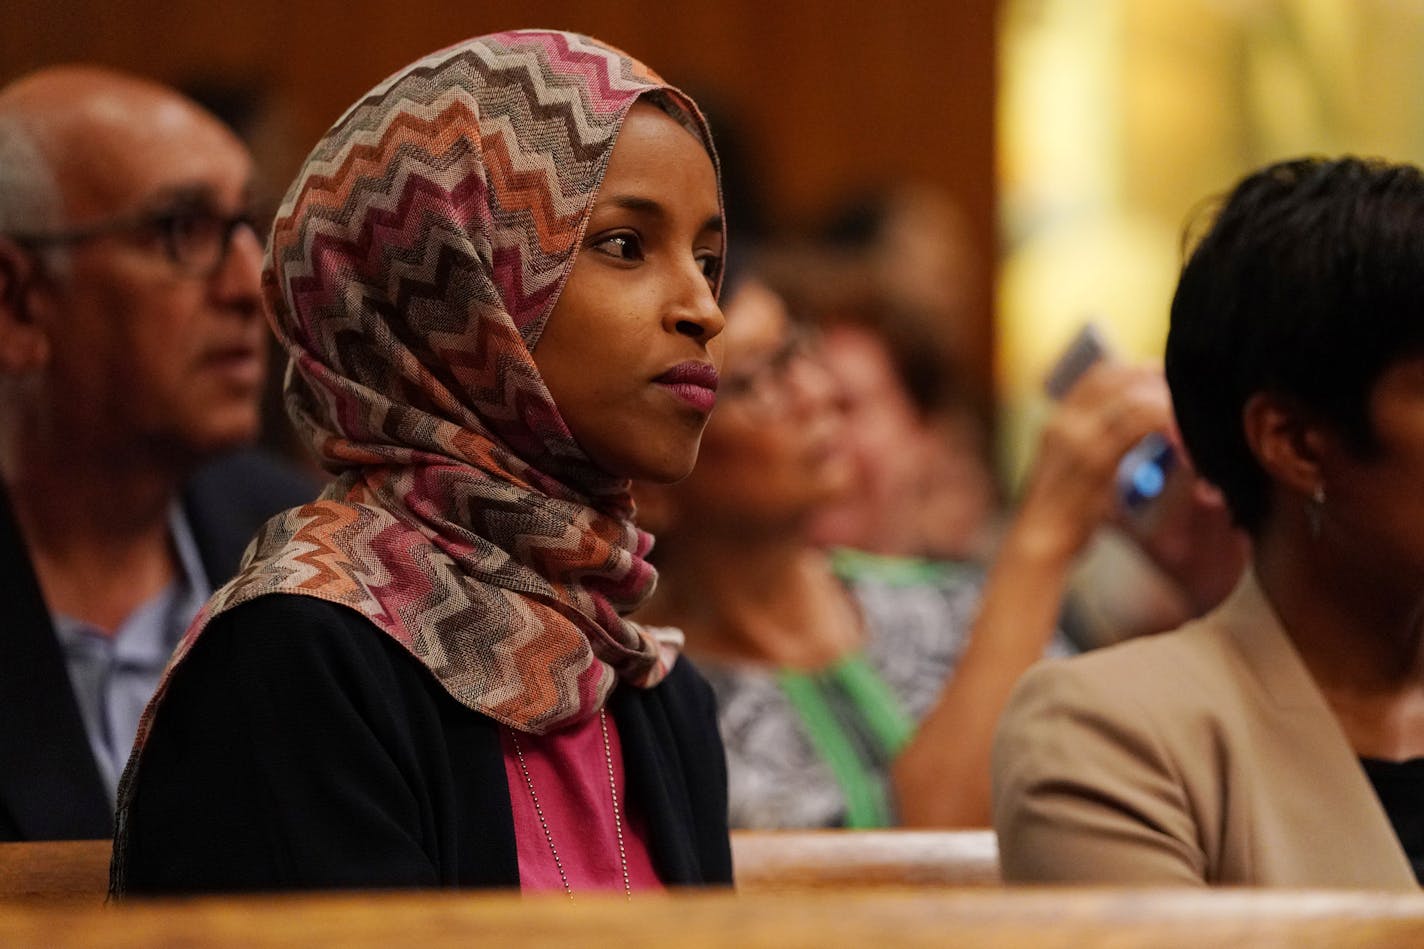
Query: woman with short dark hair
(1280, 739)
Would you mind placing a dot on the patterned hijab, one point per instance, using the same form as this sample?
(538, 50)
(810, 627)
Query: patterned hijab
(411, 270)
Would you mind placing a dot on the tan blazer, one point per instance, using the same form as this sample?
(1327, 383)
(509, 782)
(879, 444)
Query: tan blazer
(1205, 755)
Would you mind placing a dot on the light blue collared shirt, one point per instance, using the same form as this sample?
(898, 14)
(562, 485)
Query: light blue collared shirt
(114, 676)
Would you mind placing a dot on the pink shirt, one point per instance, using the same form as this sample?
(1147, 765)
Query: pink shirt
(570, 774)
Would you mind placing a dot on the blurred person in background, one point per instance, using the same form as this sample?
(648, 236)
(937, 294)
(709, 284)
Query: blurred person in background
(867, 699)
(904, 247)
(922, 483)
(132, 354)
(888, 282)
(264, 121)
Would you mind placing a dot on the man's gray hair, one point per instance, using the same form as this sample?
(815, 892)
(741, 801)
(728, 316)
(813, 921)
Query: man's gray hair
(30, 199)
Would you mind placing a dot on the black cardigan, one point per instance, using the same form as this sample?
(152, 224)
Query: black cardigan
(300, 747)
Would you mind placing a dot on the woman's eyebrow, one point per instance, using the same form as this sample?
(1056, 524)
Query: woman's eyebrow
(637, 204)
(641, 205)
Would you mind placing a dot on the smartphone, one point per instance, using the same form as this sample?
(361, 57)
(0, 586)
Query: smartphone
(1142, 473)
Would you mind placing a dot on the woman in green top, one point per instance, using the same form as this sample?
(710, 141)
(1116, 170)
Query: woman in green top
(858, 691)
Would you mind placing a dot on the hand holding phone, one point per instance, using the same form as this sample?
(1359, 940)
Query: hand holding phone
(1142, 473)
(1179, 522)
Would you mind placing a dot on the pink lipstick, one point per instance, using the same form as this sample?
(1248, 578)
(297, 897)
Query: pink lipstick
(693, 382)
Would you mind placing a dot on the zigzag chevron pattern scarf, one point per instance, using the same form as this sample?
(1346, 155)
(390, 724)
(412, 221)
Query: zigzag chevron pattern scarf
(410, 272)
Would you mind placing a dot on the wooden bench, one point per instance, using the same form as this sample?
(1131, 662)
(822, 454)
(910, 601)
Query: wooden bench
(55, 871)
(78, 870)
(968, 918)
(774, 860)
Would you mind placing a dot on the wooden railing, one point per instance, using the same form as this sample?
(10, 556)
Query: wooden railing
(77, 870)
(776, 860)
(55, 871)
(936, 916)
(878, 889)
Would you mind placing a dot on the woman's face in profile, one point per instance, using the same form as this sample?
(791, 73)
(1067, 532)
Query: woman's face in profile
(885, 438)
(631, 349)
(774, 447)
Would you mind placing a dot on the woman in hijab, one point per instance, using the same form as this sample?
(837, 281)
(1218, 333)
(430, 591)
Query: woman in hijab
(496, 278)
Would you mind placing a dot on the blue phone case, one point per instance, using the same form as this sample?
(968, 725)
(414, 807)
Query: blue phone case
(1142, 472)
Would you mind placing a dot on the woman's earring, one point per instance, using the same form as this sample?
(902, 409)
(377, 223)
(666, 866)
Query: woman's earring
(1314, 509)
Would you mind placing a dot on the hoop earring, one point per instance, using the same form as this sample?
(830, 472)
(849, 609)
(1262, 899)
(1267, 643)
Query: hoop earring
(1315, 510)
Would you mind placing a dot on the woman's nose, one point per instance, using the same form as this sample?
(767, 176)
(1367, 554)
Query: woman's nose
(695, 313)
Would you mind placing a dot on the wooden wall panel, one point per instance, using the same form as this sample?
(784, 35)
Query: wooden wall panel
(833, 95)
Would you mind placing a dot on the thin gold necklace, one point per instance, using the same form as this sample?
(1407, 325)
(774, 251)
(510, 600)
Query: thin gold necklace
(613, 792)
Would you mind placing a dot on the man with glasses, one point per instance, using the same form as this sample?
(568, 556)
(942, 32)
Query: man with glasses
(132, 354)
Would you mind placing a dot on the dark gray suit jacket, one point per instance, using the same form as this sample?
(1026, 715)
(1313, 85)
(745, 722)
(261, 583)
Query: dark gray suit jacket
(50, 787)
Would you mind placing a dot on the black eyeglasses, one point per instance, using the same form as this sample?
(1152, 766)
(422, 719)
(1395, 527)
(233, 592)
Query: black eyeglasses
(195, 239)
(763, 386)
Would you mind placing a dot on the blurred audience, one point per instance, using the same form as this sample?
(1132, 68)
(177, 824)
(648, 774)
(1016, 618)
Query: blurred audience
(1159, 561)
(1280, 739)
(922, 482)
(890, 280)
(264, 122)
(865, 698)
(132, 354)
(905, 247)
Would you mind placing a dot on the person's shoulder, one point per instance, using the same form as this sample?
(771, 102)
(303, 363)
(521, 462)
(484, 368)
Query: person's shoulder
(227, 500)
(253, 478)
(684, 696)
(728, 676)
(1181, 674)
(308, 656)
(273, 611)
(1194, 643)
(686, 681)
(858, 567)
(288, 631)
